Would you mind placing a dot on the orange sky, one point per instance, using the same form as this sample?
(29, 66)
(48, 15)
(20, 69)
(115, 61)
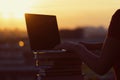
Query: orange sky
(70, 13)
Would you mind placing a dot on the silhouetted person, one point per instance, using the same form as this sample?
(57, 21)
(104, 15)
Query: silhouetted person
(110, 52)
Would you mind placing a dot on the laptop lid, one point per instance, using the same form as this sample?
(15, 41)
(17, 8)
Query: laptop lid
(42, 31)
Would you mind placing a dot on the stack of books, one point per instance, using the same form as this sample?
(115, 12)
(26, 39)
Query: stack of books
(66, 64)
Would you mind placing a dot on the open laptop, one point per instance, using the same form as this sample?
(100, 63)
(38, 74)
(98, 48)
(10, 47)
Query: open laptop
(43, 33)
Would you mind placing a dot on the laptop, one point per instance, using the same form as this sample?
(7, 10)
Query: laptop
(43, 33)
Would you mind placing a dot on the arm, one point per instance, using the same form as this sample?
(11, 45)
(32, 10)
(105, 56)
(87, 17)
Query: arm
(99, 64)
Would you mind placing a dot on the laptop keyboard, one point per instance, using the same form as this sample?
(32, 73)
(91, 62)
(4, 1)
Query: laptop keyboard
(50, 51)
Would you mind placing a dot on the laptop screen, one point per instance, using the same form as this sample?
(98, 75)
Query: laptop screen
(42, 31)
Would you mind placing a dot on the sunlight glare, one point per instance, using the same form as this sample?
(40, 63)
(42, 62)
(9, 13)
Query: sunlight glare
(14, 8)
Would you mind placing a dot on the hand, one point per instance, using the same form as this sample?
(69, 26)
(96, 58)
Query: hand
(71, 47)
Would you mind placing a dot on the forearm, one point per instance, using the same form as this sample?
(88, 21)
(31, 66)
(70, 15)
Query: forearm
(93, 61)
(98, 64)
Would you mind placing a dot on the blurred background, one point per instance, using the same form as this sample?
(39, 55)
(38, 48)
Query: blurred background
(78, 20)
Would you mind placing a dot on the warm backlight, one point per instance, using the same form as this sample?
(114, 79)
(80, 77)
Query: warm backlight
(14, 8)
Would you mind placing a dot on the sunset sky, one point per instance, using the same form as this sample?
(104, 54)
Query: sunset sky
(70, 13)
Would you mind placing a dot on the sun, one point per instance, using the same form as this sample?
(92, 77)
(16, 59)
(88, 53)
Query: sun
(14, 8)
